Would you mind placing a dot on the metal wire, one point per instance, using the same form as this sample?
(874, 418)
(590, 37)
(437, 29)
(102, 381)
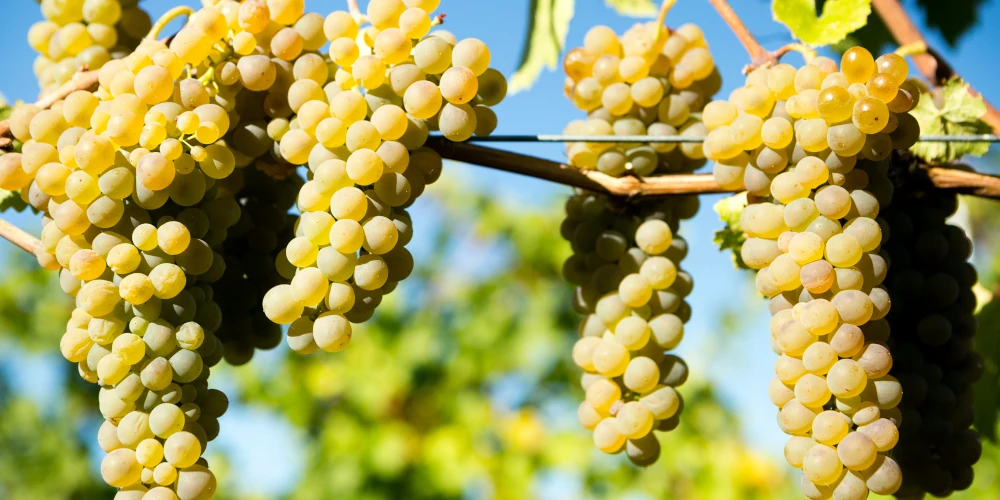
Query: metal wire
(687, 139)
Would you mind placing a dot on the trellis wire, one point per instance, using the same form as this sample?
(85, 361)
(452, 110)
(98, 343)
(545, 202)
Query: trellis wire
(686, 139)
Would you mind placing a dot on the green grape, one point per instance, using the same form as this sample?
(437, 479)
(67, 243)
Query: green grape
(858, 65)
(834, 104)
(492, 87)
(473, 54)
(870, 115)
(414, 23)
(634, 420)
(607, 437)
(168, 280)
(433, 55)
(719, 113)
(422, 99)
(794, 418)
(776, 132)
(617, 99)
(811, 134)
(332, 332)
(370, 272)
(829, 428)
(380, 235)
(781, 81)
(457, 122)
(459, 85)
(587, 94)
(746, 131)
(606, 70)
(796, 448)
(719, 145)
(602, 40)
(119, 468)
(182, 449)
(349, 203)
(821, 465)
(364, 167)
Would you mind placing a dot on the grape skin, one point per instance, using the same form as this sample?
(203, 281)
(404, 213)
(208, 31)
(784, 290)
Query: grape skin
(620, 342)
(812, 228)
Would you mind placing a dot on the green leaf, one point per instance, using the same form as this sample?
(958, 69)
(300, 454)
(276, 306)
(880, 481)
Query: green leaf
(839, 18)
(874, 36)
(959, 114)
(11, 200)
(959, 104)
(731, 236)
(546, 36)
(952, 18)
(634, 8)
(987, 387)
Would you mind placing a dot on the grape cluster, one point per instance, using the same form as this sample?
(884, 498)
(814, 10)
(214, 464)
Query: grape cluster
(83, 34)
(629, 287)
(135, 183)
(933, 325)
(644, 83)
(361, 119)
(810, 146)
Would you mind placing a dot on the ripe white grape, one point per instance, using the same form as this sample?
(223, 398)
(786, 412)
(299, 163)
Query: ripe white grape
(796, 419)
(120, 468)
(821, 465)
(634, 420)
(857, 451)
(830, 427)
(607, 437)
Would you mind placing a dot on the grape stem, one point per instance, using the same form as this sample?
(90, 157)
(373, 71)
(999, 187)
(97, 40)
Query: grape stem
(962, 180)
(965, 180)
(930, 63)
(352, 7)
(165, 19)
(19, 237)
(758, 55)
(661, 20)
(912, 49)
(808, 53)
(438, 20)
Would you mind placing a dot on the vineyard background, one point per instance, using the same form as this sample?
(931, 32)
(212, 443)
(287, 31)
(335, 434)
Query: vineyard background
(458, 387)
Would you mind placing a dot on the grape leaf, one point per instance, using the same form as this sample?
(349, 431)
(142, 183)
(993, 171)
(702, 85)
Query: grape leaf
(839, 18)
(874, 36)
(633, 8)
(731, 236)
(11, 200)
(959, 114)
(952, 18)
(547, 31)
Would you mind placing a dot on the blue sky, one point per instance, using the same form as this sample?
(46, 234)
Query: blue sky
(739, 365)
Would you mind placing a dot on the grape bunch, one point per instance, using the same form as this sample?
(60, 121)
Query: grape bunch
(629, 287)
(933, 324)
(83, 34)
(361, 118)
(810, 146)
(135, 181)
(647, 82)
